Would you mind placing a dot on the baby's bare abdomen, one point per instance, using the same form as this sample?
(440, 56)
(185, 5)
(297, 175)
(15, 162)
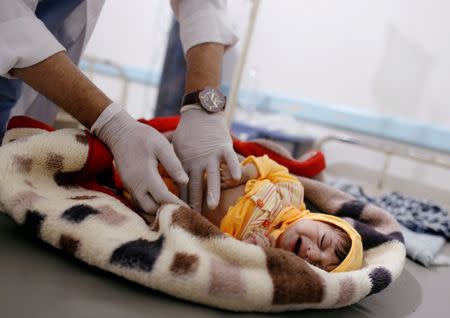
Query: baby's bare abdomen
(228, 197)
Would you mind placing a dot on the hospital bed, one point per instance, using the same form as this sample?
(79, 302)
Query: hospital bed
(38, 281)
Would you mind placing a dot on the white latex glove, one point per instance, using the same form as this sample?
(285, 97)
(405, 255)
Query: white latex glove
(202, 141)
(136, 148)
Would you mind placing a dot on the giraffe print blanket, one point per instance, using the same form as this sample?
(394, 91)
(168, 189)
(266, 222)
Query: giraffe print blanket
(50, 186)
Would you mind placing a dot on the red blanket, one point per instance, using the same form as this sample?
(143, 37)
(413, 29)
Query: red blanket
(99, 174)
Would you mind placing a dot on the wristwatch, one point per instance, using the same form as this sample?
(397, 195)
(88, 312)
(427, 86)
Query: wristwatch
(210, 99)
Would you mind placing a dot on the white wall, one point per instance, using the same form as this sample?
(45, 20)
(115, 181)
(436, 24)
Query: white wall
(369, 54)
(132, 32)
(384, 56)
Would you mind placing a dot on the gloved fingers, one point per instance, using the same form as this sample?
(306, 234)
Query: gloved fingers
(213, 193)
(158, 189)
(170, 161)
(233, 163)
(147, 203)
(196, 189)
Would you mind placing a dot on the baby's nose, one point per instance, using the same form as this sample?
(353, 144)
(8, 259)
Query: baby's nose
(313, 254)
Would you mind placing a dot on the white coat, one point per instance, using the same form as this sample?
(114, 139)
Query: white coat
(25, 41)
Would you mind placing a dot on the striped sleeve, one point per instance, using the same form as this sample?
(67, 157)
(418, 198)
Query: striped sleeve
(270, 170)
(291, 194)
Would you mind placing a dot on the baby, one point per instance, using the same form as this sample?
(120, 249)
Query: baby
(266, 208)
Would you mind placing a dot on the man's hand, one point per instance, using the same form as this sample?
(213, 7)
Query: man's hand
(136, 149)
(202, 141)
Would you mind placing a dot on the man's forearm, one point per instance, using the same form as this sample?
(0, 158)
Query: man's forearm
(61, 81)
(203, 66)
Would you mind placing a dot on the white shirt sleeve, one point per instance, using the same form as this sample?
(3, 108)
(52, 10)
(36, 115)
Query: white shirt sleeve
(24, 39)
(203, 21)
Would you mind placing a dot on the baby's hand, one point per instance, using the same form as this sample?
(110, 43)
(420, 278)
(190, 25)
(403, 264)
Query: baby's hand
(226, 180)
(258, 240)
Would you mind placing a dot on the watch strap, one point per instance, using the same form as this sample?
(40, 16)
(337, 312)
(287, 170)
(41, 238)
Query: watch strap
(198, 98)
(191, 98)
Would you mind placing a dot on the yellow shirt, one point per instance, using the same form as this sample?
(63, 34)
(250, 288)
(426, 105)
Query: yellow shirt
(272, 202)
(269, 205)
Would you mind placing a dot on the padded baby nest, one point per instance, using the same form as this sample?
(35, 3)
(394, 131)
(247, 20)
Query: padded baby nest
(49, 186)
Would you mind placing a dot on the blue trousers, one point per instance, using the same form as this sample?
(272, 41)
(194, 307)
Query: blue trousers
(9, 94)
(171, 86)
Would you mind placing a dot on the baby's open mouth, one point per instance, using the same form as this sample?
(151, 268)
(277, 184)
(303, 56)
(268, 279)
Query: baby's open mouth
(297, 246)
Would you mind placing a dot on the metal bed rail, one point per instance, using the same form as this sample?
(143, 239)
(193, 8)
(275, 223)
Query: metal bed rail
(389, 150)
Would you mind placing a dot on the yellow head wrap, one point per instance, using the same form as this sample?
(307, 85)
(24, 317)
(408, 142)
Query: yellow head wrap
(354, 258)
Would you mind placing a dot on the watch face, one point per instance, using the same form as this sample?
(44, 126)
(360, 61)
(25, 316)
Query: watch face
(212, 100)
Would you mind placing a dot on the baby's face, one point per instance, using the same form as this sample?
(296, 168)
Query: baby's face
(313, 241)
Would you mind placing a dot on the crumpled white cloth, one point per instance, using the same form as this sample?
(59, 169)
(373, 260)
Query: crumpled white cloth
(424, 248)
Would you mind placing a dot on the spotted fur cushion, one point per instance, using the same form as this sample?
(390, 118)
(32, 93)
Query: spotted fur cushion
(184, 255)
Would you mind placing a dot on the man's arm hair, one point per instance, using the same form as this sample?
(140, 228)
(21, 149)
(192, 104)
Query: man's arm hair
(203, 66)
(62, 82)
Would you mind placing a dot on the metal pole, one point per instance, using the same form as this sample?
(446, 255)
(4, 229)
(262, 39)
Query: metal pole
(237, 76)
